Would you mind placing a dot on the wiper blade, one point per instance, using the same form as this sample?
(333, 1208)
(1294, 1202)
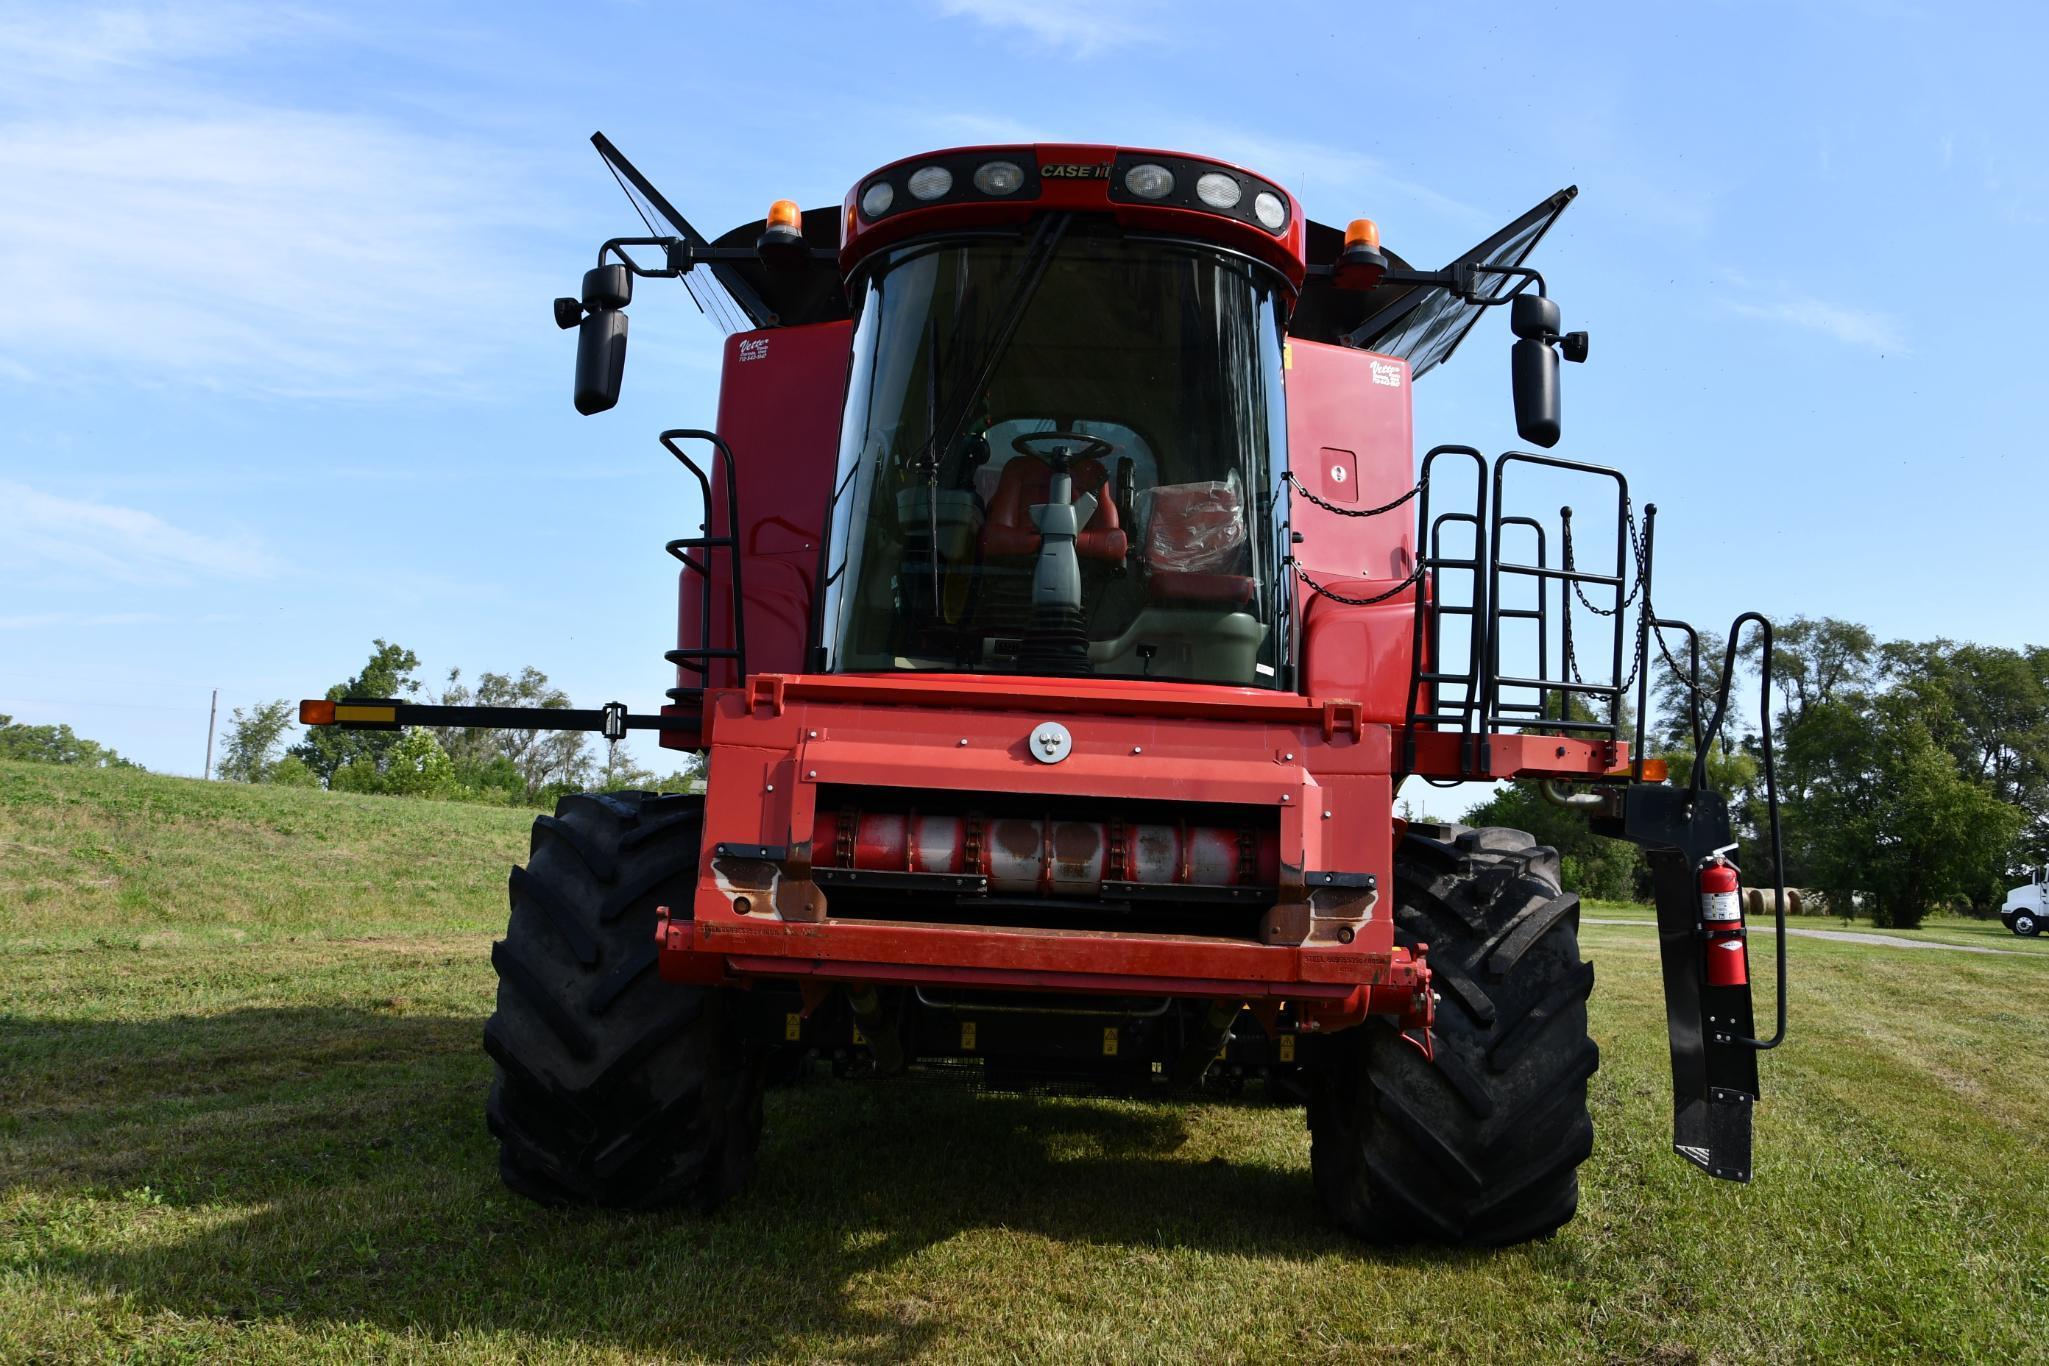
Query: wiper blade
(1024, 286)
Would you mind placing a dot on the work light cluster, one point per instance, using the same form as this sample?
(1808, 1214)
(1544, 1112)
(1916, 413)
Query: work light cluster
(1183, 184)
(929, 183)
(1218, 190)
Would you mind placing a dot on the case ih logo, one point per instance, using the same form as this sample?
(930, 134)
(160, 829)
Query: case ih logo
(756, 349)
(1385, 372)
(1075, 170)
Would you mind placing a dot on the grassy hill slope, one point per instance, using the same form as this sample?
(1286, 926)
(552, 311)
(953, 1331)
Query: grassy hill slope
(240, 1117)
(109, 856)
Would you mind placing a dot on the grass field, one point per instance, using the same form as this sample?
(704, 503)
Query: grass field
(240, 1118)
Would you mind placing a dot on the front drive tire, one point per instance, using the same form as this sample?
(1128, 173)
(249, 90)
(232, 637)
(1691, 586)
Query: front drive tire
(614, 1087)
(2025, 925)
(1482, 1145)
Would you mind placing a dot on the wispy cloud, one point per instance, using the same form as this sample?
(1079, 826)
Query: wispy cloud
(72, 43)
(1085, 28)
(1865, 328)
(31, 621)
(239, 242)
(41, 533)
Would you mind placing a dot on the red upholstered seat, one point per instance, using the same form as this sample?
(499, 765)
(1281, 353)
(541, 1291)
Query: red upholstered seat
(1026, 482)
(1194, 538)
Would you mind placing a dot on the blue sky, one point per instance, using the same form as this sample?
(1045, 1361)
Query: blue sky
(278, 376)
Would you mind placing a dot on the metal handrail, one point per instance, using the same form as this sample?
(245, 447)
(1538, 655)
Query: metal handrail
(698, 660)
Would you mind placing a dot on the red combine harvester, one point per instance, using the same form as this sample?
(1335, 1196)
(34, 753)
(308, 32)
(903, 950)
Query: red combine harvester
(1069, 609)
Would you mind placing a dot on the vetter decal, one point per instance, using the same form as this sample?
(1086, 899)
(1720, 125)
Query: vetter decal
(1387, 374)
(754, 349)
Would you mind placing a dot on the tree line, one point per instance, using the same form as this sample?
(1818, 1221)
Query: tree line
(54, 745)
(501, 767)
(1913, 776)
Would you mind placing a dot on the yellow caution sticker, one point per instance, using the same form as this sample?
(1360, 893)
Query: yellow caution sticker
(374, 715)
(1110, 1041)
(1287, 1049)
(859, 1037)
(967, 1036)
(793, 1026)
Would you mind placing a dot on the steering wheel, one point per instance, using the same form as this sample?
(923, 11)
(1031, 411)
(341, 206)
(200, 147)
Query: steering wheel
(1061, 447)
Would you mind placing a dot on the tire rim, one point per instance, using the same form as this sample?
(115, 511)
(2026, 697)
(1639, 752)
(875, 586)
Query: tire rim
(2024, 924)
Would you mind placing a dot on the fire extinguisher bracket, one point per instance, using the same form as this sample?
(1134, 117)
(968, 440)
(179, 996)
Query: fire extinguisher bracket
(1685, 836)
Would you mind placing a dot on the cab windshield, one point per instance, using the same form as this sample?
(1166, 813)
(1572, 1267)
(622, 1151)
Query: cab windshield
(1060, 455)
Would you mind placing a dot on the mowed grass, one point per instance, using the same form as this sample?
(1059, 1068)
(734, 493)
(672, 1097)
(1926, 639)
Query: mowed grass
(240, 1118)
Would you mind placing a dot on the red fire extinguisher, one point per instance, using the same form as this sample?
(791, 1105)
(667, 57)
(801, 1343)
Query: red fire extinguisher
(1721, 922)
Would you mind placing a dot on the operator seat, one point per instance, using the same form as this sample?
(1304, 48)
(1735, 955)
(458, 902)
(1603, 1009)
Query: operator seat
(1194, 544)
(1026, 481)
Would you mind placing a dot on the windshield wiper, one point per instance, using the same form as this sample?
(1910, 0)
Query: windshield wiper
(1024, 285)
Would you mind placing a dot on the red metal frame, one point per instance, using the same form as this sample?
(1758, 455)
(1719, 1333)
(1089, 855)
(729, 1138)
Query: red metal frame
(1323, 772)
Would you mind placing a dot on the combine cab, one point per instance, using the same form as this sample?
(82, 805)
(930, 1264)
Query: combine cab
(1069, 607)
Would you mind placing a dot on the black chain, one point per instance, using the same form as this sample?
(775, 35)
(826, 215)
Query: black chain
(1296, 485)
(1636, 553)
(1321, 591)
(1685, 676)
(1415, 574)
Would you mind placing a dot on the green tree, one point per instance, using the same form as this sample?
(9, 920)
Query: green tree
(249, 748)
(54, 745)
(1888, 819)
(326, 749)
(1988, 706)
(619, 772)
(1674, 718)
(291, 771)
(1817, 659)
(545, 760)
(1994, 703)
(1590, 864)
(417, 766)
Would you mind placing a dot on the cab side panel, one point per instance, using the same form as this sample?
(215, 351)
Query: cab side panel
(779, 410)
(1350, 443)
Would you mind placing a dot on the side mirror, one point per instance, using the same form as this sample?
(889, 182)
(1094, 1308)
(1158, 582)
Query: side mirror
(1534, 366)
(611, 287)
(601, 360)
(1533, 317)
(600, 336)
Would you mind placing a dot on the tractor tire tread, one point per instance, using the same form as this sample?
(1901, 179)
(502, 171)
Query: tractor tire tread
(612, 1087)
(1480, 1142)
(601, 865)
(518, 884)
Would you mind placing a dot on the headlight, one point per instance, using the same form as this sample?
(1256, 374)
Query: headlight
(1218, 190)
(1271, 210)
(877, 198)
(1149, 181)
(998, 177)
(930, 182)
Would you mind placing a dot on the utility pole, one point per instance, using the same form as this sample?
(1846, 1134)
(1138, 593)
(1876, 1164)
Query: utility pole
(213, 708)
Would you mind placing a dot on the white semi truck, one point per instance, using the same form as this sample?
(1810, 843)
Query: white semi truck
(2027, 908)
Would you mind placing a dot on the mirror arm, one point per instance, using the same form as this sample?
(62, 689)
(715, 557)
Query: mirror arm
(678, 256)
(1460, 281)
